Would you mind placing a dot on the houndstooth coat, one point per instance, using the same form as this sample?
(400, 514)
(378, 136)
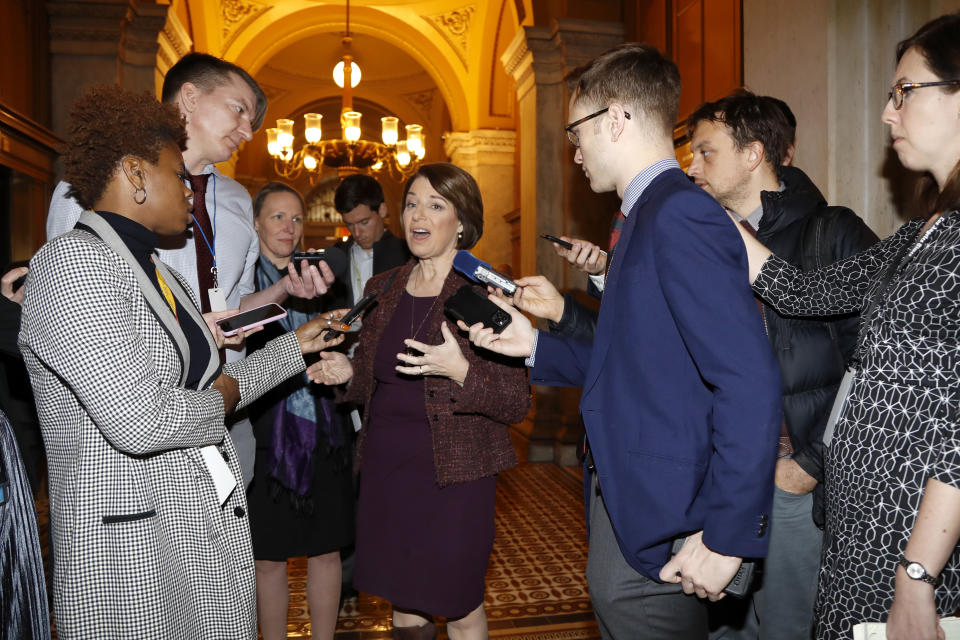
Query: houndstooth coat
(142, 547)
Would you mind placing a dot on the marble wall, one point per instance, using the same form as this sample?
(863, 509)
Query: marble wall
(833, 62)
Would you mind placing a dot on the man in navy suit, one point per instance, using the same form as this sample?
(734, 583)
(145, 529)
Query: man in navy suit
(681, 393)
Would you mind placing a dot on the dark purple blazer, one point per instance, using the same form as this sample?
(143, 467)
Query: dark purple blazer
(469, 423)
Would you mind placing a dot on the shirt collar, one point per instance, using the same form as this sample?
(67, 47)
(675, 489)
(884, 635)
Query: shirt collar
(753, 219)
(642, 180)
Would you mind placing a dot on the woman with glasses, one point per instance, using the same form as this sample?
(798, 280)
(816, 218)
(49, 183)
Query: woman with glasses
(893, 458)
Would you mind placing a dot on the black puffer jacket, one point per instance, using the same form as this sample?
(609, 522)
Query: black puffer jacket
(812, 353)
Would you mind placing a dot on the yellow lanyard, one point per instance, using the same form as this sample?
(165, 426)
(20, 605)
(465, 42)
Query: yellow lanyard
(167, 294)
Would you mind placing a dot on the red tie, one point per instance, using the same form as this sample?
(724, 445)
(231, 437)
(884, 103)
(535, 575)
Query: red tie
(202, 239)
(616, 226)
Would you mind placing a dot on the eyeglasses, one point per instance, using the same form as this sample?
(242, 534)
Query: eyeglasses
(901, 89)
(572, 135)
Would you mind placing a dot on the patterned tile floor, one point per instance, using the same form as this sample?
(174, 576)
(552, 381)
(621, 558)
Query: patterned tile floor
(536, 588)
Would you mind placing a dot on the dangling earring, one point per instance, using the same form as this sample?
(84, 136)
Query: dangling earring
(137, 197)
(459, 236)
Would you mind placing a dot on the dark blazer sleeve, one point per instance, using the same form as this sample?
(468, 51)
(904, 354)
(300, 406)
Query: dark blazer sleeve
(701, 265)
(578, 321)
(494, 387)
(560, 361)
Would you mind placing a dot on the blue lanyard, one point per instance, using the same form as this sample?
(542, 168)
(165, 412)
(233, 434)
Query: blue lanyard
(213, 225)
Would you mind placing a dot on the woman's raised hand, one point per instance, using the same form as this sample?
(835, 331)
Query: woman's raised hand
(222, 341)
(311, 335)
(516, 340)
(332, 368)
(445, 359)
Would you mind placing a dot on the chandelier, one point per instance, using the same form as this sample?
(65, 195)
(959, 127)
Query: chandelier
(349, 154)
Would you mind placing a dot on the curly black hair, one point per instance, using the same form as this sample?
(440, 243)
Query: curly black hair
(108, 123)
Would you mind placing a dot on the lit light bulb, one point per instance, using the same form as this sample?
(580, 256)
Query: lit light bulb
(311, 127)
(273, 146)
(376, 166)
(354, 74)
(415, 139)
(309, 163)
(403, 156)
(285, 133)
(390, 134)
(351, 125)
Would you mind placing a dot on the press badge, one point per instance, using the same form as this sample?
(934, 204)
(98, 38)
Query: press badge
(223, 480)
(218, 301)
(838, 404)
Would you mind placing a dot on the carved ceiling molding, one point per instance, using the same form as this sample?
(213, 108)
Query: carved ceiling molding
(514, 56)
(236, 15)
(176, 36)
(175, 42)
(271, 92)
(454, 26)
(487, 147)
(422, 100)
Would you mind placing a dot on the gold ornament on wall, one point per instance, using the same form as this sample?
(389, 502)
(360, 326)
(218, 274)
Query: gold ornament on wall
(235, 15)
(454, 26)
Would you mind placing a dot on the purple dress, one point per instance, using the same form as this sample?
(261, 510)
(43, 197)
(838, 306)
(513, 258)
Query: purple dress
(421, 547)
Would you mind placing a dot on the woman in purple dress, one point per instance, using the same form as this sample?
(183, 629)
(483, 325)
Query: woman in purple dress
(435, 430)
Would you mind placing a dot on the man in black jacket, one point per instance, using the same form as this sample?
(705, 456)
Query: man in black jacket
(371, 249)
(738, 144)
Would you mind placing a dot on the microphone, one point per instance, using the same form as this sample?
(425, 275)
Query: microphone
(479, 271)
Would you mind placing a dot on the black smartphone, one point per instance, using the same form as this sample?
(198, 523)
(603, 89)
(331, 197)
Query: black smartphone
(556, 240)
(471, 307)
(251, 319)
(351, 316)
(335, 258)
(22, 279)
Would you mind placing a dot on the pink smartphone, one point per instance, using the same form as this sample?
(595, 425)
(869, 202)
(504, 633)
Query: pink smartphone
(251, 319)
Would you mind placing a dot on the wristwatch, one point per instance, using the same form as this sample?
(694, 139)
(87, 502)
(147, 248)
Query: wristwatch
(916, 571)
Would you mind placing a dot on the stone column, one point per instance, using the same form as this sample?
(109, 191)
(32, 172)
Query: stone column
(538, 58)
(137, 55)
(110, 41)
(488, 154)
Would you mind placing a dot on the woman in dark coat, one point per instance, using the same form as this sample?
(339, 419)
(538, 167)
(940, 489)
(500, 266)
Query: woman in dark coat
(435, 430)
(301, 498)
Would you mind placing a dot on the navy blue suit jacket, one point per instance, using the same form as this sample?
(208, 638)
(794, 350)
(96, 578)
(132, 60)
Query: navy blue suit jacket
(681, 392)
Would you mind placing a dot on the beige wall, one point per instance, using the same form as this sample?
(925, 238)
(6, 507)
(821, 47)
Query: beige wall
(833, 61)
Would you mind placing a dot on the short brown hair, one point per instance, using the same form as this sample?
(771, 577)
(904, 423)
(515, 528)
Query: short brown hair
(457, 187)
(208, 72)
(108, 123)
(633, 74)
(750, 118)
(271, 188)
